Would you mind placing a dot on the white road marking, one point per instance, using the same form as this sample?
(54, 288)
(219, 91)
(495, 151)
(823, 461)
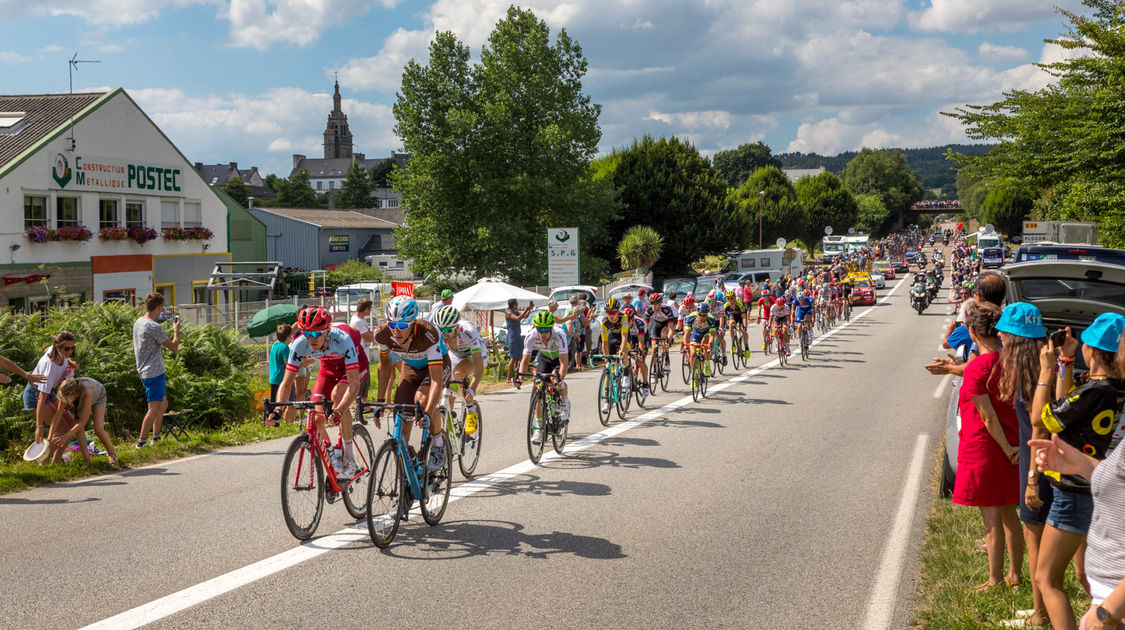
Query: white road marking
(940, 389)
(881, 605)
(199, 593)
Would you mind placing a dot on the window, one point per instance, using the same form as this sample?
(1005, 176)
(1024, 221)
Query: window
(766, 262)
(134, 214)
(107, 213)
(748, 263)
(320, 185)
(66, 211)
(376, 203)
(169, 213)
(193, 214)
(128, 296)
(34, 211)
(392, 203)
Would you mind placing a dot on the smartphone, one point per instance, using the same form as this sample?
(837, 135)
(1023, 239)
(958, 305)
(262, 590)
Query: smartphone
(175, 319)
(1058, 337)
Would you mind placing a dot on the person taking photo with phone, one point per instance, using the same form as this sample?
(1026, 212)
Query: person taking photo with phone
(148, 337)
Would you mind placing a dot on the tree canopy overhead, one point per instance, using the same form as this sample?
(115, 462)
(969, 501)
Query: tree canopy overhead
(737, 164)
(500, 151)
(1066, 142)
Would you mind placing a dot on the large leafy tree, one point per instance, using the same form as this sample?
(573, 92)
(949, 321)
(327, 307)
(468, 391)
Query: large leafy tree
(237, 190)
(769, 202)
(884, 173)
(296, 192)
(1006, 206)
(356, 190)
(665, 184)
(1066, 142)
(826, 202)
(500, 151)
(737, 164)
(870, 213)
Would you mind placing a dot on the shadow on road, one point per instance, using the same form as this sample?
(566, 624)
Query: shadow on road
(532, 484)
(19, 501)
(591, 458)
(463, 539)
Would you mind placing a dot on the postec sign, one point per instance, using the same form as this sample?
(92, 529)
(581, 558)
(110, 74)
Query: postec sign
(104, 174)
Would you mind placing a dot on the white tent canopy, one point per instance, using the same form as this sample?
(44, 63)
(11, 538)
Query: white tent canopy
(489, 294)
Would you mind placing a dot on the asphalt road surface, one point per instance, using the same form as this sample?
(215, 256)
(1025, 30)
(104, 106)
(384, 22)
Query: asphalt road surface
(791, 497)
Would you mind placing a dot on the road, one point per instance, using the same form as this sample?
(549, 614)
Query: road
(791, 497)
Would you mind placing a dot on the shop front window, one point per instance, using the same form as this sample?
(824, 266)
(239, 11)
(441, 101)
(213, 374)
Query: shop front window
(134, 214)
(34, 211)
(107, 213)
(66, 211)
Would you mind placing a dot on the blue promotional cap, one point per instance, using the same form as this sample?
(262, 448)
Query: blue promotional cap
(1022, 320)
(1105, 332)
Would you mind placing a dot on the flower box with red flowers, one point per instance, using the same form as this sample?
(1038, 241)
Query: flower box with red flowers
(40, 234)
(187, 234)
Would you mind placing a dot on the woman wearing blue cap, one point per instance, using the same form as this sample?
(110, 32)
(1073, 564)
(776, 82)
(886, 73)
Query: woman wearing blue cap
(1085, 418)
(1023, 335)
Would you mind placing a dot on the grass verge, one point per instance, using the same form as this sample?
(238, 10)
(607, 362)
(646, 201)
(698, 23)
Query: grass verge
(950, 569)
(21, 475)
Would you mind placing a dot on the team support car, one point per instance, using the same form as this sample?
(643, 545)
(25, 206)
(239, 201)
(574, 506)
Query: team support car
(900, 265)
(863, 290)
(1067, 293)
(878, 279)
(886, 268)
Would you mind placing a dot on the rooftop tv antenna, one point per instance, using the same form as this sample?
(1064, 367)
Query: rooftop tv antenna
(72, 67)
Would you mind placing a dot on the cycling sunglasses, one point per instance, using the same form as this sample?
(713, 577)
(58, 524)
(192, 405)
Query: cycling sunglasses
(544, 330)
(399, 325)
(314, 334)
(444, 329)
(612, 312)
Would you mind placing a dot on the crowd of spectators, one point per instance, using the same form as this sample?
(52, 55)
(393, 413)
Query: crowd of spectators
(937, 205)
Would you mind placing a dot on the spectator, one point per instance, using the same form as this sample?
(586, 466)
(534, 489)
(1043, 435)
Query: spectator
(512, 318)
(987, 474)
(9, 365)
(279, 356)
(55, 365)
(446, 298)
(82, 396)
(148, 337)
(1023, 336)
(359, 322)
(639, 303)
(1083, 418)
(989, 288)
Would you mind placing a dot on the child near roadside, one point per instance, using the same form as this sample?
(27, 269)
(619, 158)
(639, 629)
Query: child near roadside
(279, 355)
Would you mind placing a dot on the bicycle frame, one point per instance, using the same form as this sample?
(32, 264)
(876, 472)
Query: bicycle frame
(268, 407)
(414, 474)
(614, 367)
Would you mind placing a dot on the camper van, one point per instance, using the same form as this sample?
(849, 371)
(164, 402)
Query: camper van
(856, 243)
(833, 247)
(782, 260)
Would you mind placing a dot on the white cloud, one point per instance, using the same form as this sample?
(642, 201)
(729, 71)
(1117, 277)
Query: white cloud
(111, 48)
(260, 23)
(8, 56)
(642, 25)
(832, 135)
(694, 120)
(972, 16)
(50, 49)
(111, 12)
(992, 52)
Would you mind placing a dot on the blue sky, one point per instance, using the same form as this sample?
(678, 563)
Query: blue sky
(251, 80)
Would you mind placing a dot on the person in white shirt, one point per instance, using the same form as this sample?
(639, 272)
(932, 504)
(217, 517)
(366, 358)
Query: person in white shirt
(55, 365)
(359, 322)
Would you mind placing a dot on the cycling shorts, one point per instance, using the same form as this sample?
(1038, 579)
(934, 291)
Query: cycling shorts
(802, 313)
(698, 335)
(635, 344)
(545, 364)
(455, 360)
(735, 317)
(656, 328)
(780, 320)
(613, 342)
(414, 380)
(329, 375)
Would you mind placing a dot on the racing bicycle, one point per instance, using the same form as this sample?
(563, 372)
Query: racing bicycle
(659, 366)
(699, 371)
(545, 414)
(613, 387)
(465, 444)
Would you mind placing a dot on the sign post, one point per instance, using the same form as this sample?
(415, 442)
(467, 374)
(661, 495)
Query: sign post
(562, 256)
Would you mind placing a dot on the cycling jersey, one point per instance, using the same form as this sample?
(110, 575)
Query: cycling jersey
(804, 307)
(779, 311)
(663, 314)
(339, 346)
(610, 328)
(734, 311)
(699, 321)
(466, 341)
(551, 348)
(422, 349)
(637, 328)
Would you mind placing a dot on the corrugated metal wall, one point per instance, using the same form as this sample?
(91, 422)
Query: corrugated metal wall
(292, 242)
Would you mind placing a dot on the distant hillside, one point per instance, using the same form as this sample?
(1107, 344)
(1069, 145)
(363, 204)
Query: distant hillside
(930, 164)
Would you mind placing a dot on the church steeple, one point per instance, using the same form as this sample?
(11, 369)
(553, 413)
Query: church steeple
(337, 136)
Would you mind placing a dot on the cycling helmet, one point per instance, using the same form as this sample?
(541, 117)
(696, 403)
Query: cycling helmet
(445, 317)
(446, 293)
(402, 308)
(689, 301)
(730, 294)
(612, 305)
(314, 318)
(655, 297)
(543, 319)
(704, 308)
(627, 311)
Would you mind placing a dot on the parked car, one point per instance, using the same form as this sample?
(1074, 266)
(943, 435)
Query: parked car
(679, 286)
(704, 285)
(886, 268)
(1067, 293)
(878, 280)
(584, 292)
(632, 288)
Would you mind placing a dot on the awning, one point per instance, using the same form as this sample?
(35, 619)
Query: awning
(16, 278)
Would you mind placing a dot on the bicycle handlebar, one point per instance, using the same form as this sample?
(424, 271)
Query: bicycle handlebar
(269, 405)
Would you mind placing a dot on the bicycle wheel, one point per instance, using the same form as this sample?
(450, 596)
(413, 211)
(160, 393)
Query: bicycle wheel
(737, 356)
(655, 368)
(685, 367)
(782, 354)
(717, 359)
(558, 436)
(436, 485)
(302, 488)
(697, 376)
(605, 397)
(384, 496)
(624, 392)
(535, 451)
(665, 361)
(703, 382)
(637, 385)
(469, 455)
(804, 345)
(355, 493)
(767, 343)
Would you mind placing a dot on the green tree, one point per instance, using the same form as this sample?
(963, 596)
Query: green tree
(870, 213)
(380, 175)
(665, 184)
(500, 151)
(356, 189)
(1065, 141)
(737, 164)
(826, 202)
(884, 173)
(238, 191)
(353, 271)
(297, 193)
(769, 203)
(640, 248)
(1006, 206)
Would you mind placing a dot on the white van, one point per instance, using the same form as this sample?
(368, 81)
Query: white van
(349, 295)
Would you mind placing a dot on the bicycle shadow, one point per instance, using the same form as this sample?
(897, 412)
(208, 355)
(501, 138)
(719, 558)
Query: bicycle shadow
(526, 484)
(592, 458)
(466, 539)
(19, 501)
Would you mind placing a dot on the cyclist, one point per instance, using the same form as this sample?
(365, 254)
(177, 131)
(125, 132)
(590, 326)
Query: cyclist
(779, 317)
(339, 361)
(415, 343)
(687, 307)
(467, 354)
(764, 304)
(662, 319)
(551, 344)
(806, 314)
(715, 301)
(700, 324)
(638, 337)
(735, 311)
(614, 335)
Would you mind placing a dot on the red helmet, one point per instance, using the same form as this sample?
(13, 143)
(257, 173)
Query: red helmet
(627, 311)
(689, 301)
(313, 319)
(656, 297)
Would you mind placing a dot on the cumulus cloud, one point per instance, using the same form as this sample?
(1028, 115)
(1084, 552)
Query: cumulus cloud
(972, 16)
(53, 48)
(111, 12)
(7, 56)
(992, 52)
(260, 23)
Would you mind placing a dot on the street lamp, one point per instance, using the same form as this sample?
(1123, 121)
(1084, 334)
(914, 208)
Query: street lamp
(761, 210)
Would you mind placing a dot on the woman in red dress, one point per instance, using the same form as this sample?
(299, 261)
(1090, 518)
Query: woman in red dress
(988, 452)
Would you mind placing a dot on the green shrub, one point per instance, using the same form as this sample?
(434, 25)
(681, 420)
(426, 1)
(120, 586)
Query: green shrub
(213, 373)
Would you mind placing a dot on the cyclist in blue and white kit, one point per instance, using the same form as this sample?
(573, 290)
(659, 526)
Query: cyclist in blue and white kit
(467, 353)
(549, 341)
(805, 312)
(700, 324)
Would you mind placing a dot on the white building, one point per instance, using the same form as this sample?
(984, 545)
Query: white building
(96, 161)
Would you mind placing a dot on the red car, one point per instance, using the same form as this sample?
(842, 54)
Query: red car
(888, 272)
(863, 293)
